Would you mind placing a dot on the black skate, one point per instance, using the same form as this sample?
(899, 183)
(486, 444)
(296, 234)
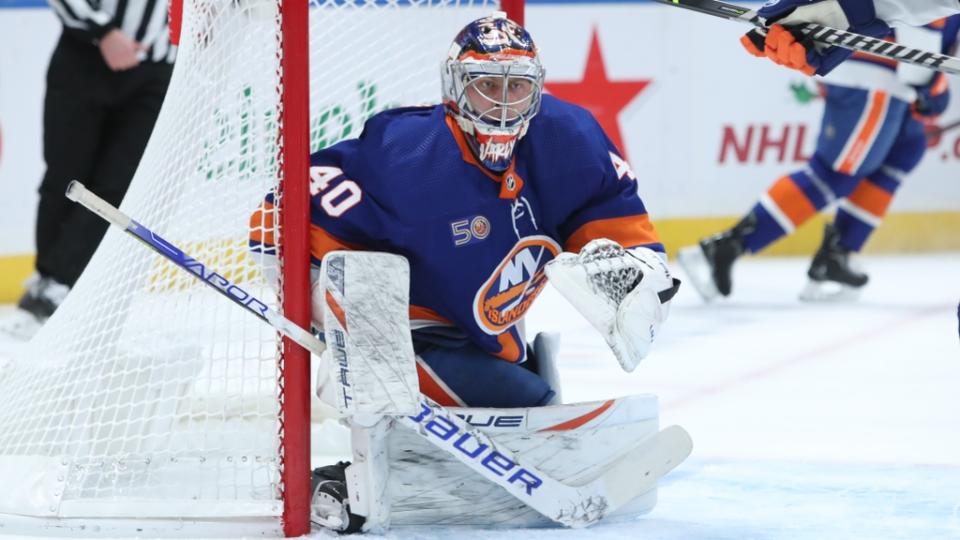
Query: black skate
(831, 275)
(710, 264)
(42, 298)
(330, 504)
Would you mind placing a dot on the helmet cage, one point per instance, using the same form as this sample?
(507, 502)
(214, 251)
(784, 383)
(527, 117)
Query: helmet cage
(492, 48)
(500, 114)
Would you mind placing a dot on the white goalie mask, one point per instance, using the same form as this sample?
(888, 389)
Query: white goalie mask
(492, 86)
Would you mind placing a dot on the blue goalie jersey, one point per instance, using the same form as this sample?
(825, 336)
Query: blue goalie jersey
(477, 242)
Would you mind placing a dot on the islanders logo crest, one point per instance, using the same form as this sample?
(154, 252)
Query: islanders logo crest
(514, 285)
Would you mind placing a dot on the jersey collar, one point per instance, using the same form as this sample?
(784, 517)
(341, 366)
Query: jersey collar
(510, 182)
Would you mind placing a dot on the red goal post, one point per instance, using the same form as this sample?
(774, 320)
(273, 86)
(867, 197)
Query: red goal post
(148, 405)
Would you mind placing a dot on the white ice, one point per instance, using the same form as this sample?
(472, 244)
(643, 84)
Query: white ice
(810, 421)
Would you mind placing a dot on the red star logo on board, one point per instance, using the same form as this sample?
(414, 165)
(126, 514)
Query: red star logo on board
(598, 94)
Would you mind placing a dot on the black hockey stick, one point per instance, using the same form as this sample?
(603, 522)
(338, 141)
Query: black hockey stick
(829, 36)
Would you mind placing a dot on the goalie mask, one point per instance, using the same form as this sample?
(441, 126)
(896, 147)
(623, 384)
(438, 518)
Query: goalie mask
(492, 83)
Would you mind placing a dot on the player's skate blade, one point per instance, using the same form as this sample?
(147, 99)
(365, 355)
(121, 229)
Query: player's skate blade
(698, 269)
(829, 291)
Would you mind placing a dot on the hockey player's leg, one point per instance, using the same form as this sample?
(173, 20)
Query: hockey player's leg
(833, 276)
(370, 387)
(789, 203)
(709, 264)
(469, 377)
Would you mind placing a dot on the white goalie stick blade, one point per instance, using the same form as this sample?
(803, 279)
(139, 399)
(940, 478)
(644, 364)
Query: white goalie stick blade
(573, 506)
(639, 471)
(367, 328)
(697, 268)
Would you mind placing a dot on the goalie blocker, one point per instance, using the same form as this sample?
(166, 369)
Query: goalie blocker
(570, 464)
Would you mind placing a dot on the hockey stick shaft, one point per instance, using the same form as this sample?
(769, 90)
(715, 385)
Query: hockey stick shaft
(952, 125)
(829, 36)
(78, 193)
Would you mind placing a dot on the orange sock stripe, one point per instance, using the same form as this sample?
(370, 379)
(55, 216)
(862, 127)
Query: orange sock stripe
(871, 198)
(792, 201)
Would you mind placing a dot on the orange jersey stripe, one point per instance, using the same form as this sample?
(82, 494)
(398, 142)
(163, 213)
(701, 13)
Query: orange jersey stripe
(628, 231)
(862, 139)
(420, 313)
(262, 227)
(791, 200)
(581, 420)
(509, 350)
(322, 242)
(871, 198)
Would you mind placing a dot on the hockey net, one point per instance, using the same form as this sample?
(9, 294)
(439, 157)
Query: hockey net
(149, 405)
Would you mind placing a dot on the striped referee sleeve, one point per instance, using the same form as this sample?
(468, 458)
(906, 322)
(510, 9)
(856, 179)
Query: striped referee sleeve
(145, 21)
(85, 20)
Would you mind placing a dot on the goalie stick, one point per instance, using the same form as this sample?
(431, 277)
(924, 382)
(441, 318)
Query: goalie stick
(78, 193)
(573, 506)
(829, 36)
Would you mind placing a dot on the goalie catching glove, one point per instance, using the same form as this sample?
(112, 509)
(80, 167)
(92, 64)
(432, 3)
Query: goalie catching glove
(624, 293)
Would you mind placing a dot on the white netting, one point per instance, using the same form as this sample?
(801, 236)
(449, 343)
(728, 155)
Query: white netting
(147, 395)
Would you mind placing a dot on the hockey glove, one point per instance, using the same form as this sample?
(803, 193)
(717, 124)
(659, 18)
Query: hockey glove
(932, 98)
(624, 293)
(784, 44)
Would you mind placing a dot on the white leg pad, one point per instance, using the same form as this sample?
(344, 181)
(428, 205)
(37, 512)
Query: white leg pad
(546, 349)
(575, 444)
(364, 298)
(369, 473)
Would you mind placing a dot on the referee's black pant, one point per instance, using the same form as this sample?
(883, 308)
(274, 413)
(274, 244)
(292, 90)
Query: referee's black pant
(96, 123)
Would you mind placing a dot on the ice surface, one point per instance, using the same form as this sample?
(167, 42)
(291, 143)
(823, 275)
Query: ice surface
(810, 421)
